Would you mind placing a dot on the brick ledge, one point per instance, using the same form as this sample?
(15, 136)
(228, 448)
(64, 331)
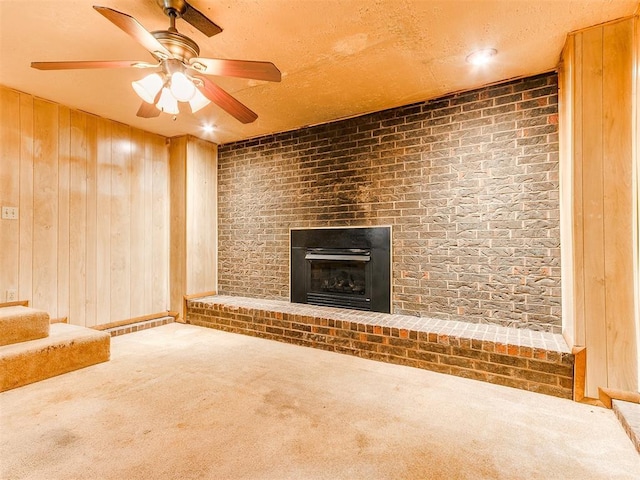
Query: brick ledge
(526, 359)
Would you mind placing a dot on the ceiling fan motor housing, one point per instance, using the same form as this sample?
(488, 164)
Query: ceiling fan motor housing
(180, 46)
(175, 7)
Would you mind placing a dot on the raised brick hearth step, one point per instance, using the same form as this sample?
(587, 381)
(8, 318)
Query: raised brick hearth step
(530, 360)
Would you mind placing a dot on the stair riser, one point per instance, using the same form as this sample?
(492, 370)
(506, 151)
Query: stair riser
(49, 357)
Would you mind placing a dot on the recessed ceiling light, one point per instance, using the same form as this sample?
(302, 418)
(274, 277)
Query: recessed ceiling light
(207, 128)
(481, 57)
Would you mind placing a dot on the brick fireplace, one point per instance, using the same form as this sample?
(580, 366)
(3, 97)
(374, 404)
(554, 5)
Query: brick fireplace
(469, 184)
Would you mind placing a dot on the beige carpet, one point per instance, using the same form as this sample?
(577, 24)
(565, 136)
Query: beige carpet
(181, 402)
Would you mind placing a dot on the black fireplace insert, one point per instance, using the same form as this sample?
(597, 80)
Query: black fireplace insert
(342, 267)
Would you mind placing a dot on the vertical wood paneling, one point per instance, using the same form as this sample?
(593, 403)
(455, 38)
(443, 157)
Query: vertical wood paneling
(25, 284)
(147, 254)
(201, 215)
(210, 247)
(9, 189)
(136, 248)
(120, 222)
(160, 219)
(618, 247)
(94, 219)
(636, 191)
(45, 207)
(77, 219)
(603, 138)
(593, 206)
(178, 199)
(103, 228)
(64, 161)
(92, 222)
(193, 218)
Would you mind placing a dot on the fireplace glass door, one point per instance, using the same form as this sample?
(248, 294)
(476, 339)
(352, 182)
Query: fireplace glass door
(339, 277)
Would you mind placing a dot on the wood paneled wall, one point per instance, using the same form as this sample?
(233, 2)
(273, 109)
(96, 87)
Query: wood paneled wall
(92, 239)
(202, 216)
(598, 109)
(194, 218)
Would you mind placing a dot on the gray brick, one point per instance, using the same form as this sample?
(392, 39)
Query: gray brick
(469, 182)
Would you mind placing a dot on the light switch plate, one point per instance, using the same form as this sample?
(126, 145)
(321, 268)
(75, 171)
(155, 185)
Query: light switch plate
(9, 213)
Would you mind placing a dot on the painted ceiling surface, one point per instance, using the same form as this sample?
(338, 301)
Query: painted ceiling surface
(338, 58)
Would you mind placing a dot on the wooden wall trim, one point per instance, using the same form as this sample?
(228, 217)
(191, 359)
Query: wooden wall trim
(142, 318)
(636, 187)
(566, 170)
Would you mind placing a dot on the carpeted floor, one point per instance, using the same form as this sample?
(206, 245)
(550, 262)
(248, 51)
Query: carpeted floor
(183, 402)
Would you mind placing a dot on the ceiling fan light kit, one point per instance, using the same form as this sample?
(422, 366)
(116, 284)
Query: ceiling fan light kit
(179, 84)
(148, 87)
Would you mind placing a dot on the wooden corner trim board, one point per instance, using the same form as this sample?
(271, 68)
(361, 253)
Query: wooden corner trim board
(186, 298)
(608, 394)
(19, 303)
(579, 372)
(131, 321)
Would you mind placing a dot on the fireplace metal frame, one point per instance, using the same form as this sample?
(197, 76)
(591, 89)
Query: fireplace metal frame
(347, 244)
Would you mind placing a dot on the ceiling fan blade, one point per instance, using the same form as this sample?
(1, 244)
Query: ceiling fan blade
(90, 64)
(134, 29)
(148, 110)
(237, 68)
(225, 101)
(200, 21)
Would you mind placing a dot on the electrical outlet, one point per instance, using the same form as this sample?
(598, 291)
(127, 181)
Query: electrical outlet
(12, 295)
(9, 213)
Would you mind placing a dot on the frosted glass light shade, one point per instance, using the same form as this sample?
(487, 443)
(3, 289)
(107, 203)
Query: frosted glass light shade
(167, 102)
(198, 102)
(148, 87)
(182, 88)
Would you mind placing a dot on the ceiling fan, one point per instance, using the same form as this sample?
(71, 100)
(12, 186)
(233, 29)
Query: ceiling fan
(178, 84)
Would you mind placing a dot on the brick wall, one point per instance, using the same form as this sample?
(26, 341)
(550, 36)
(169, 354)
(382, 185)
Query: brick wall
(469, 183)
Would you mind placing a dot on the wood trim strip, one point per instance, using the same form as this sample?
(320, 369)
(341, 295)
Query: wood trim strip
(579, 373)
(606, 24)
(608, 394)
(133, 320)
(19, 303)
(201, 294)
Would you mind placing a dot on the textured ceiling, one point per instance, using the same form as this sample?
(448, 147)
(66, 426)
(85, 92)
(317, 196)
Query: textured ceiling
(338, 58)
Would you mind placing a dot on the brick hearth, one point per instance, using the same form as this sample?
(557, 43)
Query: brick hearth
(521, 358)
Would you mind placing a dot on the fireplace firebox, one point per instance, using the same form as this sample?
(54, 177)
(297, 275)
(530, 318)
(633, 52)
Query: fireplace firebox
(342, 267)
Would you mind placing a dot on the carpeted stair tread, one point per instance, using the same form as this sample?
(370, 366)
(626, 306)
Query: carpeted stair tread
(22, 324)
(67, 348)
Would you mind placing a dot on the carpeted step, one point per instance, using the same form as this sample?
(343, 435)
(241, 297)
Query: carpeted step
(67, 348)
(21, 324)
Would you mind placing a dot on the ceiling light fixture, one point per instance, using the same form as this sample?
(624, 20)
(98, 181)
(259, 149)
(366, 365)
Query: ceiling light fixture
(481, 57)
(165, 91)
(148, 87)
(182, 88)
